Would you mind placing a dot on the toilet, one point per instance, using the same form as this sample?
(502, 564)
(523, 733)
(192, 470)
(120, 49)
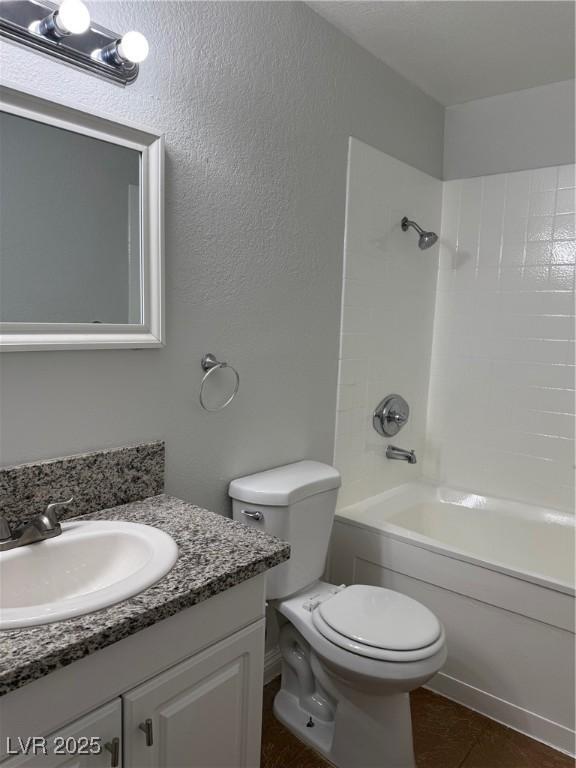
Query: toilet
(350, 654)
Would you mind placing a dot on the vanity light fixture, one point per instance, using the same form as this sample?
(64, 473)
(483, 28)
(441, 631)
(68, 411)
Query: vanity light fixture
(65, 31)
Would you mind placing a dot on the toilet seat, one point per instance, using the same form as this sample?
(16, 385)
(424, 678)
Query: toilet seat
(379, 623)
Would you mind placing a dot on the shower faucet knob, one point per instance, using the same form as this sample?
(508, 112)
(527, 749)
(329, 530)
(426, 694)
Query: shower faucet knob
(390, 415)
(397, 418)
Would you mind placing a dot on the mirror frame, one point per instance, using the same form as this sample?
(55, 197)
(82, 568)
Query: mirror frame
(150, 333)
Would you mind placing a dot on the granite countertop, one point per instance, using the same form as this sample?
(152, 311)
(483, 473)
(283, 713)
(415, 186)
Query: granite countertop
(215, 554)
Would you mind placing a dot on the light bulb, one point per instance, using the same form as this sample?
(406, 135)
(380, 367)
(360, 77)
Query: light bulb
(73, 17)
(133, 47)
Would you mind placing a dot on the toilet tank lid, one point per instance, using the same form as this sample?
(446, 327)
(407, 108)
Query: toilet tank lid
(285, 485)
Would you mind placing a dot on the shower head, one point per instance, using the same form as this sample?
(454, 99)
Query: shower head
(426, 239)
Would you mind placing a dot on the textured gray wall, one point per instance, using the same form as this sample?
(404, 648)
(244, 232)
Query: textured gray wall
(516, 131)
(257, 101)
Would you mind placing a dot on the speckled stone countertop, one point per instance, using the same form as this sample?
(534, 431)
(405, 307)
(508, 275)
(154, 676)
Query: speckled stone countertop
(97, 480)
(215, 553)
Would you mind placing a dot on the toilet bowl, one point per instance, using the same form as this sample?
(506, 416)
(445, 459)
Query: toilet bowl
(380, 667)
(333, 697)
(350, 654)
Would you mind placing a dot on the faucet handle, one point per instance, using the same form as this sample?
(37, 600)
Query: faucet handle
(397, 418)
(52, 515)
(5, 532)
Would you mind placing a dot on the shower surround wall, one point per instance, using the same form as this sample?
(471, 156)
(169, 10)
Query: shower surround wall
(387, 316)
(501, 403)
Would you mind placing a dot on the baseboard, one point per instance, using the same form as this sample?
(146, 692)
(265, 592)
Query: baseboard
(533, 725)
(272, 660)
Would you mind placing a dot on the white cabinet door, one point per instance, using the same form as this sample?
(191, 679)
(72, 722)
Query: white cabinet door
(202, 713)
(71, 747)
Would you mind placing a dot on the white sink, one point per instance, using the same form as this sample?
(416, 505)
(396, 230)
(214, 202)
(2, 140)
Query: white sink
(91, 565)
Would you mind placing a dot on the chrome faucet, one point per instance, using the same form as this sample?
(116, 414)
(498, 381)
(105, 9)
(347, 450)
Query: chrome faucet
(400, 454)
(41, 527)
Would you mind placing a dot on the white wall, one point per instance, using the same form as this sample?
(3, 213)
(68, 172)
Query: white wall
(257, 101)
(516, 131)
(501, 404)
(387, 317)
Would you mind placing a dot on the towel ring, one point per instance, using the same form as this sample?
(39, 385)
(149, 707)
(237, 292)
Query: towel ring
(209, 365)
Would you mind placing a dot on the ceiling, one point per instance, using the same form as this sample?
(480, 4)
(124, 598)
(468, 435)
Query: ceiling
(461, 50)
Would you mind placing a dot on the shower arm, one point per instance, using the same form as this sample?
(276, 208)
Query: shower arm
(405, 223)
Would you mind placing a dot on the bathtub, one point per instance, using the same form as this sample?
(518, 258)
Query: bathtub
(500, 576)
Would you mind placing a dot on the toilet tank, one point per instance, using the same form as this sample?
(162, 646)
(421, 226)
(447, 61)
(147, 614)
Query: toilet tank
(295, 502)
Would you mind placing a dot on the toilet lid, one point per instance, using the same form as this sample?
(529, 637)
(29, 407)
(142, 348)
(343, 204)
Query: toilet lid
(380, 618)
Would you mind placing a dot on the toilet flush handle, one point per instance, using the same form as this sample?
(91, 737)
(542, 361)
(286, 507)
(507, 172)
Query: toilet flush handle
(253, 515)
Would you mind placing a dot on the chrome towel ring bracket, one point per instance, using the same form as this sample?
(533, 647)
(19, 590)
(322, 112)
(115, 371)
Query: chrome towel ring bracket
(209, 365)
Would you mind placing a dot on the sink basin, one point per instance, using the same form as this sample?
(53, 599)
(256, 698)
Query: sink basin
(92, 565)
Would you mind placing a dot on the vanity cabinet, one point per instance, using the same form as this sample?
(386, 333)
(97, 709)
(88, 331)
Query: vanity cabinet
(86, 737)
(193, 682)
(203, 713)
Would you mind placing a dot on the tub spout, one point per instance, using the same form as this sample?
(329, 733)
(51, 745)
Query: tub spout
(400, 454)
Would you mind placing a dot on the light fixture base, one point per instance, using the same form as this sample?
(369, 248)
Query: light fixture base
(20, 22)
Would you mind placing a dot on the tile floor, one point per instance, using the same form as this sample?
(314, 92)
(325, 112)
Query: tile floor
(446, 735)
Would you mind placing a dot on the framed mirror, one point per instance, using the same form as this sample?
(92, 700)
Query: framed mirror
(81, 229)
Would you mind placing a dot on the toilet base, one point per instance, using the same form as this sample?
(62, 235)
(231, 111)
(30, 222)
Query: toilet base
(288, 711)
(353, 739)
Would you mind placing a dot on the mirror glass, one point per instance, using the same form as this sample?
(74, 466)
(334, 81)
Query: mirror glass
(70, 226)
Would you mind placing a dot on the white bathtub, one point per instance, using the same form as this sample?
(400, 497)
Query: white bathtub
(499, 574)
